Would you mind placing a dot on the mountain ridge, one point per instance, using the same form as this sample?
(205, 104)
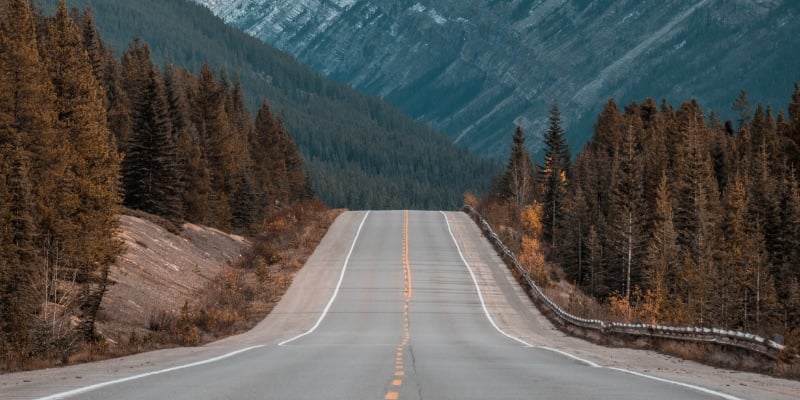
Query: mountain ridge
(475, 71)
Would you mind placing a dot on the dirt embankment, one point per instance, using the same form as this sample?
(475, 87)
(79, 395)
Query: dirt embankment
(159, 271)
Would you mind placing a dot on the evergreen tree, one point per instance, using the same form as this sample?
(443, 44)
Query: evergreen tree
(662, 262)
(271, 171)
(244, 202)
(553, 176)
(696, 208)
(627, 209)
(299, 184)
(793, 128)
(18, 255)
(218, 144)
(786, 256)
(195, 177)
(95, 48)
(732, 280)
(576, 227)
(30, 153)
(89, 199)
(517, 184)
(743, 109)
(151, 173)
(655, 155)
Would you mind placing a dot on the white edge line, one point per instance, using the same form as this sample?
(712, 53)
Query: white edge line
(336, 290)
(564, 353)
(687, 385)
(572, 356)
(478, 288)
(85, 389)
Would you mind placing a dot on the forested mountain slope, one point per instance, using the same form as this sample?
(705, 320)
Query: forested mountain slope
(474, 69)
(361, 153)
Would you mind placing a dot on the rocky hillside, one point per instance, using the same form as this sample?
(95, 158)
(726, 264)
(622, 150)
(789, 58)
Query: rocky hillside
(159, 271)
(473, 69)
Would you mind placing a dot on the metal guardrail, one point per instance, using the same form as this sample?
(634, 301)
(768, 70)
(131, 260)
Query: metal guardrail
(738, 339)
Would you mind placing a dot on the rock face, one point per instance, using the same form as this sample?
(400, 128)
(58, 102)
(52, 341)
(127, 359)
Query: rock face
(474, 69)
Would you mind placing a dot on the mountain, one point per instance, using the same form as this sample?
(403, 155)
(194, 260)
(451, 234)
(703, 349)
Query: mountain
(474, 69)
(361, 153)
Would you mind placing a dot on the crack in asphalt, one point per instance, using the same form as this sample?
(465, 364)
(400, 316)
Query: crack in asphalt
(414, 369)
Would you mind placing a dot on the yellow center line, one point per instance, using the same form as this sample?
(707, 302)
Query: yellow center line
(407, 291)
(406, 261)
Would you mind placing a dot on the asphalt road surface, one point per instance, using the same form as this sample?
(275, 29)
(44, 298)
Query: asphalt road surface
(393, 305)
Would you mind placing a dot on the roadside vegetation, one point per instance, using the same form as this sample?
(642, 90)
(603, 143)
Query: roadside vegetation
(239, 296)
(667, 216)
(243, 293)
(83, 134)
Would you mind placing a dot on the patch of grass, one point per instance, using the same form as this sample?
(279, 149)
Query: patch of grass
(234, 301)
(243, 293)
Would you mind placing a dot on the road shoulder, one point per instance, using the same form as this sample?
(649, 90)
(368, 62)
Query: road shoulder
(516, 314)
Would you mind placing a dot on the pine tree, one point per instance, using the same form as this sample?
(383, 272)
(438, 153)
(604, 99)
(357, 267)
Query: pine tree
(299, 184)
(577, 215)
(743, 109)
(662, 261)
(732, 279)
(18, 258)
(95, 48)
(553, 177)
(785, 248)
(793, 127)
(196, 177)
(627, 209)
(89, 240)
(696, 208)
(218, 144)
(517, 185)
(271, 171)
(30, 154)
(609, 129)
(655, 156)
(244, 202)
(151, 173)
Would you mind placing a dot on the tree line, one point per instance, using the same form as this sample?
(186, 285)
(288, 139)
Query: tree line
(360, 152)
(680, 217)
(84, 134)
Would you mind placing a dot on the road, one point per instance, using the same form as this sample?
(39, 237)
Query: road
(397, 305)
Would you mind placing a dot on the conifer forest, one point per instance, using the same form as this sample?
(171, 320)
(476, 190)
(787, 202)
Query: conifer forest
(84, 134)
(671, 214)
(667, 212)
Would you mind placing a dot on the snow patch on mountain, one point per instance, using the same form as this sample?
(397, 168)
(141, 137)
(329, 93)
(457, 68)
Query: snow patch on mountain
(431, 12)
(474, 69)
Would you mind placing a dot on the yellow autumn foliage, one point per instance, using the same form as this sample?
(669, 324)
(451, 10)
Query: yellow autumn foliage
(532, 259)
(531, 219)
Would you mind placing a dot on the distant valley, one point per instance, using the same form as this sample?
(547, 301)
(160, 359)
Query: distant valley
(475, 70)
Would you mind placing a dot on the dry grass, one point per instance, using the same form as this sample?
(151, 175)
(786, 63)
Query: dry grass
(234, 301)
(242, 294)
(574, 301)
